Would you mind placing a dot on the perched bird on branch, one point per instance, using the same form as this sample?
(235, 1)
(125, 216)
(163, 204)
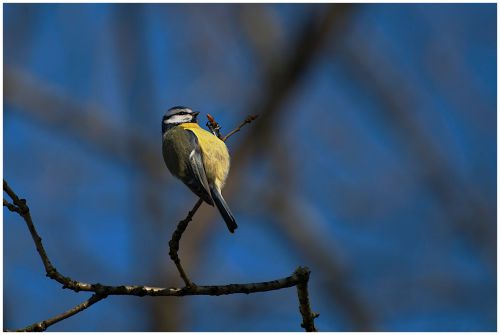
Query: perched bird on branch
(197, 157)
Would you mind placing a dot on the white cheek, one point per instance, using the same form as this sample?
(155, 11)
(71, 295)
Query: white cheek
(178, 119)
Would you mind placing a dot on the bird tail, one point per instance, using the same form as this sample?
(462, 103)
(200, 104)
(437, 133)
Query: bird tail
(223, 209)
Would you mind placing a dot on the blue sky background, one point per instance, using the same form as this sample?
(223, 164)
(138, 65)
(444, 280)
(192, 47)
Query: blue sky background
(378, 172)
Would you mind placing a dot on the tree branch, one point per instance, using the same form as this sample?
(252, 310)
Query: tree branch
(10, 206)
(20, 206)
(102, 291)
(299, 278)
(249, 119)
(304, 306)
(43, 325)
(174, 242)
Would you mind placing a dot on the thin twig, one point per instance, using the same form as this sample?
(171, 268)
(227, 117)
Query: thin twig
(249, 119)
(176, 237)
(304, 306)
(43, 325)
(24, 211)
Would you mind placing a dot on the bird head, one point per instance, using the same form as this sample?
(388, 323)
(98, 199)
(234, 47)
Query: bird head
(178, 115)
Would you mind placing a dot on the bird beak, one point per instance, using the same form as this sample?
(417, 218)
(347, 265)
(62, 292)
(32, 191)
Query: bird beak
(195, 114)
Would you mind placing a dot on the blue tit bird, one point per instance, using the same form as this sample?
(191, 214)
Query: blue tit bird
(197, 157)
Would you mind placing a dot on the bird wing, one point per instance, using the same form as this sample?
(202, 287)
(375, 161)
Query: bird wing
(196, 178)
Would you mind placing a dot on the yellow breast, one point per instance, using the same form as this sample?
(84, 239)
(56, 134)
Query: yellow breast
(215, 155)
